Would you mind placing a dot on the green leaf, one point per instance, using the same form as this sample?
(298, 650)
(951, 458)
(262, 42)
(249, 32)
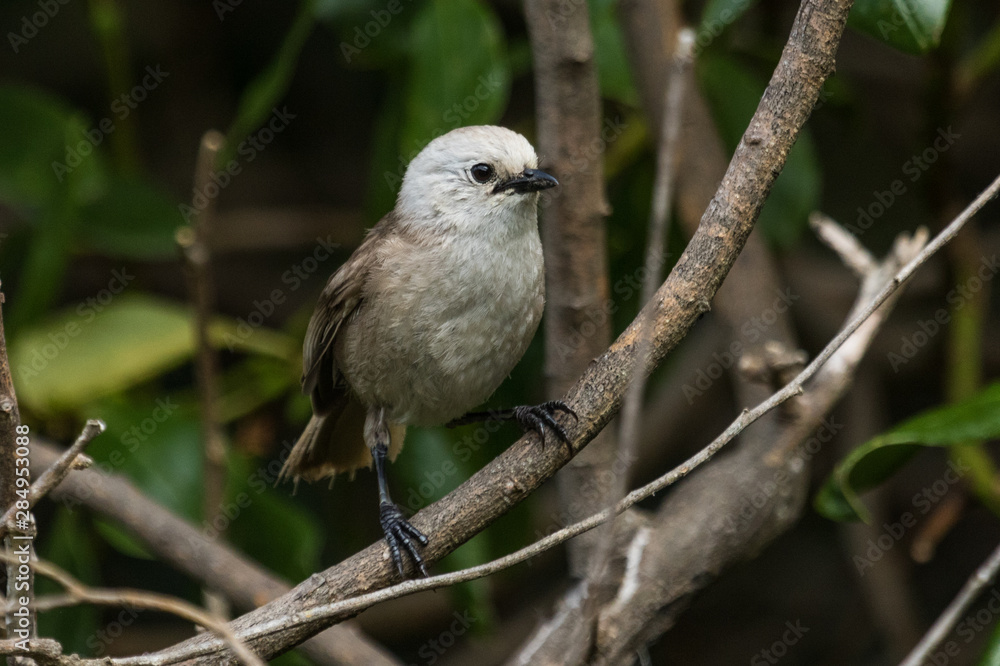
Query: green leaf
(991, 654)
(270, 85)
(255, 382)
(720, 13)
(131, 220)
(273, 530)
(733, 94)
(913, 26)
(113, 341)
(154, 440)
(977, 418)
(613, 70)
(37, 131)
(104, 345)
(458, 74)
(122, 540)
(70, 547)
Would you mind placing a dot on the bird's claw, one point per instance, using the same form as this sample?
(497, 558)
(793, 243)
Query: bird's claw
(399, 532)
(539, 417)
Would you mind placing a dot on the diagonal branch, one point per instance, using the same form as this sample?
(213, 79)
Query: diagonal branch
(807, 61)
(186, 547)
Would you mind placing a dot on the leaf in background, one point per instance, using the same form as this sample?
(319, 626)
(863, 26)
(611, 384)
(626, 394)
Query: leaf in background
(977, 418)
(441, 466)
(95, 349)
(273, 530)
(36, 130)
(155, 441)
(733, 94)
(720, 13)
(913, 26)
(131, 220)
(458, 75)
(613, 69)
(991, 653)
(49, 165)
(70, 547)
(251, 384)
(270, 85)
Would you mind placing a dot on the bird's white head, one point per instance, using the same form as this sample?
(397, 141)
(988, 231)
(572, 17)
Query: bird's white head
(474, 178)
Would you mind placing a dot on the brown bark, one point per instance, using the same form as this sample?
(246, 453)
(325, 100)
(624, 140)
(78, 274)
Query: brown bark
(577, 326)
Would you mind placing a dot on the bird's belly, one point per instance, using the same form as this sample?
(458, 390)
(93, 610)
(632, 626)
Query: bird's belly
(451, 356)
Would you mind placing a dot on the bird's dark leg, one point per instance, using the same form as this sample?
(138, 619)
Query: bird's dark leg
(399, 533)
(535, 418)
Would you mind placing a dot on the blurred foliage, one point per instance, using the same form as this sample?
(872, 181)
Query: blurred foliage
(90, 188)
(977, 418)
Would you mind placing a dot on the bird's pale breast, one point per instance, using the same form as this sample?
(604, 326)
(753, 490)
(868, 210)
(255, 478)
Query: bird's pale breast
(445, 326)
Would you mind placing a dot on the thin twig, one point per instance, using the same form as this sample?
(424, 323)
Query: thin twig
(54, 475)
(663, 195)
(194, 241)
(78, 593)
(356, 604)
(844, 243)
(984, 575)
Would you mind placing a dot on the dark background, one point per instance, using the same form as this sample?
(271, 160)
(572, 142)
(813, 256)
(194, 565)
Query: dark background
(323, 176)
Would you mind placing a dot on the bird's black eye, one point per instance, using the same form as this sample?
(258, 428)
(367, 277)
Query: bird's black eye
(482, 173)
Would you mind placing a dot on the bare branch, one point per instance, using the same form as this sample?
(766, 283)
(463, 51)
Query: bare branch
(984, 575)
(244, 582)
(78, 593)
(194, 241)
(53, 475)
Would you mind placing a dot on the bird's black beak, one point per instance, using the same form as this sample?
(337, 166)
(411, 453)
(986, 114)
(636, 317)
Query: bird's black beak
(530, 180)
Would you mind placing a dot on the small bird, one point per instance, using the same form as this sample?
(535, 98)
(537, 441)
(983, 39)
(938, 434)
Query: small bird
(428, 315)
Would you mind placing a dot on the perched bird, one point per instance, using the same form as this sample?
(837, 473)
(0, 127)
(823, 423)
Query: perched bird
(429, 315)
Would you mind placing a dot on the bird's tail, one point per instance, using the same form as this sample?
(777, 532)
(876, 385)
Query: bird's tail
(335, 443)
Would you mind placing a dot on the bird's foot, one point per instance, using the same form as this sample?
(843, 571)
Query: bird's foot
(400, 533)
(538, 418)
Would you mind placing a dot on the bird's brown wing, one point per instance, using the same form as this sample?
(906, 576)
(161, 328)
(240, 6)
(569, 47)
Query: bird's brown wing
(333, 440)
(343, 294)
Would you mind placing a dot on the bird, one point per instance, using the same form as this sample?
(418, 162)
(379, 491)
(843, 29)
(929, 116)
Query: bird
(427, 316)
